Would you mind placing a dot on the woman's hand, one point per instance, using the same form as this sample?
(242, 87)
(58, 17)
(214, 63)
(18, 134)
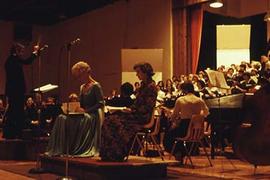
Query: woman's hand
(79, 109)
(127, 110)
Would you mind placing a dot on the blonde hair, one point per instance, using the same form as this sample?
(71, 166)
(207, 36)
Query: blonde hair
(73, 97)
(79, 68)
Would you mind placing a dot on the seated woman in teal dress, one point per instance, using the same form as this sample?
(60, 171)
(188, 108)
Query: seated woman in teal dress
(81, 133)
(119, 129)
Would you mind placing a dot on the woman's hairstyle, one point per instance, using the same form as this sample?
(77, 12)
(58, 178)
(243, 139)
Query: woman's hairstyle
(145, 68)
(73, 97)
(160, 83)
(80, 67)
(187, 87)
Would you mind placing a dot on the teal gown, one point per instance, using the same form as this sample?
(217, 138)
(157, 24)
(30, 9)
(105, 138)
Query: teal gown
(81, 133)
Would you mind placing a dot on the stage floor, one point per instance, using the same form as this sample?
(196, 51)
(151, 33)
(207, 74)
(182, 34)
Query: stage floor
(223, 168)
(93, 168)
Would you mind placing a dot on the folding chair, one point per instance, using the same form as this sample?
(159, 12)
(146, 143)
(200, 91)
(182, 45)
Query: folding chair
(151, 130)
(195, 135)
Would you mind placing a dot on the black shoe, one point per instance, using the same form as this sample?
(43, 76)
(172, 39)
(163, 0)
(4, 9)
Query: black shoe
(179, 157)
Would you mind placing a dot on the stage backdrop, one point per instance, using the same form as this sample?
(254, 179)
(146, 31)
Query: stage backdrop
(129, 57)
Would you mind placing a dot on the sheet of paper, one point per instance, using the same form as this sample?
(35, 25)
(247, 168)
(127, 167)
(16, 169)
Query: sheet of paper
(112, 109)
(46, 88)
(72, 106)
(217, 79)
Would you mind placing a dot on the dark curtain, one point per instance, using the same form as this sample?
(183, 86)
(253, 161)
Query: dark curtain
(258, 37)
(207, 57)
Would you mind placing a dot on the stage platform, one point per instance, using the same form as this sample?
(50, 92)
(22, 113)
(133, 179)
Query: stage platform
(22, 149)
(93, 168)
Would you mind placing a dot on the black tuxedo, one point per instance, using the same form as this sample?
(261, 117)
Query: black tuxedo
(15, 90)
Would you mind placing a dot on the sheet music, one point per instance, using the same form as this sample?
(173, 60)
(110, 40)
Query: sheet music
(46, 88)
(217, 79)
(212, 77)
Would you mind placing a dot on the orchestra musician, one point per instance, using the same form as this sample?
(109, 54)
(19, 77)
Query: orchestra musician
(184, 108)
(124, 99)
(15, 87)
(31, 112)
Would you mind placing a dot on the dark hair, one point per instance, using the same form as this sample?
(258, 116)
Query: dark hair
(160, 83)
(145, 68)
(126, 89)
(246, 74)
(241, 71)
(187, 87)
(243, 66)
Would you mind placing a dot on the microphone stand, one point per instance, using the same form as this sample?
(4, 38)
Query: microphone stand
(66, 177)
(38, 169)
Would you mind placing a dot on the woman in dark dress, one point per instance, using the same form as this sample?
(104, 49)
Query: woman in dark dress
(119, 129)
(81, 132)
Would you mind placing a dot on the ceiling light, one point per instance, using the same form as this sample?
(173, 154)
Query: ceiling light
(267, 17)
(216, 4)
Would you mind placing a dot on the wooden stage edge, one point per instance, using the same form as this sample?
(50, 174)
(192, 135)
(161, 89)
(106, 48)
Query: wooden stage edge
(93, 168)
(22, 149)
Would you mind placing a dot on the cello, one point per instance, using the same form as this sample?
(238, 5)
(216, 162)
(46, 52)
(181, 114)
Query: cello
(252, 137)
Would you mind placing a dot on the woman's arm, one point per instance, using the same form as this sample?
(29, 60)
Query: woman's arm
(99, 99)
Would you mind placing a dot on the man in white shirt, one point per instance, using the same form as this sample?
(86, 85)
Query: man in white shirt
(184, 108)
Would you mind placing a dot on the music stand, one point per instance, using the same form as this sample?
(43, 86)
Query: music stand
(217, 80)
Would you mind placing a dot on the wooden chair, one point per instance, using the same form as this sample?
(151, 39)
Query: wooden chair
(195, 135)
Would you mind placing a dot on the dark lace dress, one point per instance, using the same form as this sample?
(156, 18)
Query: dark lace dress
(119, 129)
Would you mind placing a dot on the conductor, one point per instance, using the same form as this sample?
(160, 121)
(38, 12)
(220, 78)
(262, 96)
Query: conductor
(15, 88)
